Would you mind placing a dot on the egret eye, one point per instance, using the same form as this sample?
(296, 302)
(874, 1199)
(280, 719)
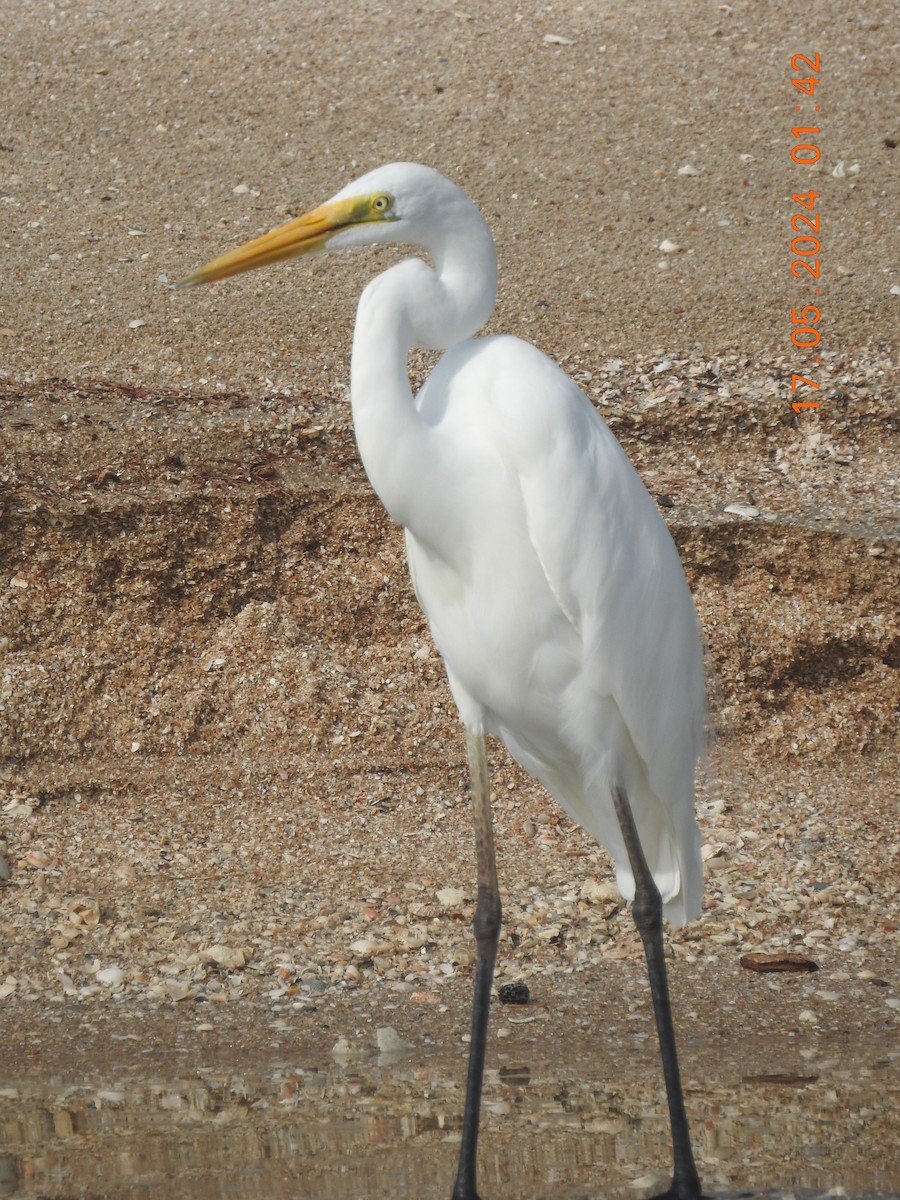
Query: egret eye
(381, 204)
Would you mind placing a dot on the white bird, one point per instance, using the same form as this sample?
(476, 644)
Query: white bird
(550, 582)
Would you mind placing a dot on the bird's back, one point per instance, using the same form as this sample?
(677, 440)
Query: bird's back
(556, 596)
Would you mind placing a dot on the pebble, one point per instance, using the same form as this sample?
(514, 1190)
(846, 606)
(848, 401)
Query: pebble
(651, 1180)
(110, 976)
(514, 993)
(600, 891)
(389, 1041)
(742, 510)
(345, 1051)
(367, 947)
(84, 912)
(178, 989)
(232, 958)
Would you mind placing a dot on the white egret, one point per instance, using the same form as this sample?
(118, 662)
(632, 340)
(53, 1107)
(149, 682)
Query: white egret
(552, 587)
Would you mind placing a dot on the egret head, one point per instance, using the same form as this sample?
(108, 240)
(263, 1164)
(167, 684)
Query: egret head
(401, 202)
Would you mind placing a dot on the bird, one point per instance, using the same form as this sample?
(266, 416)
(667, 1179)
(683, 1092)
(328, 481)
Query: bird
(551, 584)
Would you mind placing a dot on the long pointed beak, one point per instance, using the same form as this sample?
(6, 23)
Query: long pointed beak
(300, 236)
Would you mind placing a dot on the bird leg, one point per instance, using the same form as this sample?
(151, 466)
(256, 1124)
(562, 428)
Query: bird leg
(487, 933)
(647, 913)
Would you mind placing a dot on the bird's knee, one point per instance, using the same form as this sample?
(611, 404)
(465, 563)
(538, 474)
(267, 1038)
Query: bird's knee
(647, 908)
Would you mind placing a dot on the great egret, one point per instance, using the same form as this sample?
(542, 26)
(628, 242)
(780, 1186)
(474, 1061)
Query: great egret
(552, 587)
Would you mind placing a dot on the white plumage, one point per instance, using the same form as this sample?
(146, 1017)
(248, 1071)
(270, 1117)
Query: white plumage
(555, 595)
(551, 584)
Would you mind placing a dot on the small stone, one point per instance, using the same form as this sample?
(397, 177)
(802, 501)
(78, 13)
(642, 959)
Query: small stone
(231, 958)
(599, 891)
(364, 947)
(766, 963)
(84, 911)
(389, 1041)
(645, 1182)
(667, 246)
(110, 976)
(451, 897)
(344, 1051)
(514, 993)
(742, 510)
(178, 989)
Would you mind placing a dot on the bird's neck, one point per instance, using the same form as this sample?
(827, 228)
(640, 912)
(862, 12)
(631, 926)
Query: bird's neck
(410, 306)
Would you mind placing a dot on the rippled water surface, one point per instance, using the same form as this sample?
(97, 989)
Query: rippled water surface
(381, 1128)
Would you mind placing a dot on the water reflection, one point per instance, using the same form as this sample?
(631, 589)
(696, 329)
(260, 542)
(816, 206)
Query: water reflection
(374, 1130)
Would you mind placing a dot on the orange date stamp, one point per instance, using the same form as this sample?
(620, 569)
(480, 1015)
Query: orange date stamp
(806, 243)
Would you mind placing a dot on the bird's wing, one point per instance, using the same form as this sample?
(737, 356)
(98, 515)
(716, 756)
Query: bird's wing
(609, 561)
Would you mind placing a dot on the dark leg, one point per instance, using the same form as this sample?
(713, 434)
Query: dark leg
(487, 932)
(647, 912)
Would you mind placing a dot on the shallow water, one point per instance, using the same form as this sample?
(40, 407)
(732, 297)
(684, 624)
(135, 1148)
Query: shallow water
(380, 1128)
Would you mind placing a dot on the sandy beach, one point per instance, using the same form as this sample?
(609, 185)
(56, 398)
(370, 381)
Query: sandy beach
(233, 801)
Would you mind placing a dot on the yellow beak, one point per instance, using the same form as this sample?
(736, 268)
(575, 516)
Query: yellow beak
(300, 236)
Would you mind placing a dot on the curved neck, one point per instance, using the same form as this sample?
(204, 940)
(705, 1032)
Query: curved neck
(410, 306)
